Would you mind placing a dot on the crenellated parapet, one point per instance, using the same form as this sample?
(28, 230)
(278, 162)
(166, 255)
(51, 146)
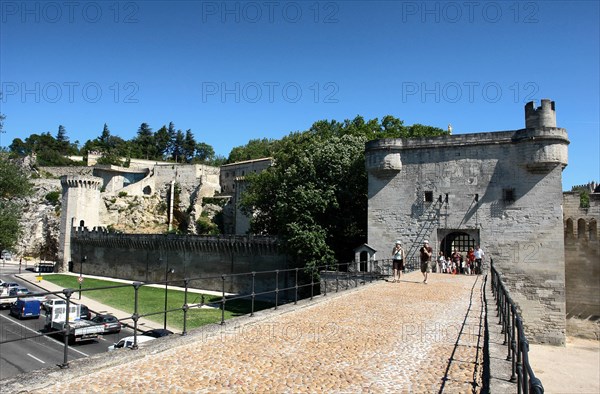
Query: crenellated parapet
(80, 181)
(542, 116)
(255, 245)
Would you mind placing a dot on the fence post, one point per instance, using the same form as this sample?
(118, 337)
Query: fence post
(136, 315)
(67, 330)
(519, 357)
(296, 300)
(276, 288)
(223, 299)
(185, 307)
(253, 292)
(513, 346)
(325, 283)
(312, 284)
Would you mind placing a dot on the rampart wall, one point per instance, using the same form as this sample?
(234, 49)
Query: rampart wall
(147, 258)
(582, 270)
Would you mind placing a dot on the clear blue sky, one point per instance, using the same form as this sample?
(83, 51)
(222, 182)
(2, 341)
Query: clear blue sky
(235, 71)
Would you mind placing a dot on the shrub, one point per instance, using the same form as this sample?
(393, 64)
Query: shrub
(53, 197)
(122, 194)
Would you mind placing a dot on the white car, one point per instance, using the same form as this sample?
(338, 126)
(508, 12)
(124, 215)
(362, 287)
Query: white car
(128, 342)
(48, 304)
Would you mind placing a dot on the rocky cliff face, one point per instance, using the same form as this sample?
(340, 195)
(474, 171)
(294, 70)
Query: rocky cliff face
(40, 220)
(120, 212)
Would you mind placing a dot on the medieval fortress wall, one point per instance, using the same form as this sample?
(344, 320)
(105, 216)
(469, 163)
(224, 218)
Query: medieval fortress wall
(147, 258)
(502, 190)
(582, 274)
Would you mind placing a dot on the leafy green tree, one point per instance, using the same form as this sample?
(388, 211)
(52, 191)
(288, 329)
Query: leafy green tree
(254, 149)
(13, 184)
(315, 195)
(204, 153)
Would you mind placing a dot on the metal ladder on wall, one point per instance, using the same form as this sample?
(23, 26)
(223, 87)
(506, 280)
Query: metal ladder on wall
(429, 222)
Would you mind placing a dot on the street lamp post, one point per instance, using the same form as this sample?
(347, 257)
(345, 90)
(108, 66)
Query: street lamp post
(167, 272)
(83, 259)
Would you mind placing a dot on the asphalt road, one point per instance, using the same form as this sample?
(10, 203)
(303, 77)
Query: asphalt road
(23, 347)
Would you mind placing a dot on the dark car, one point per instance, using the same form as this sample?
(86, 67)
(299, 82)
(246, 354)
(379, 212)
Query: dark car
(157, 333)
(110, 323)
(85, 313)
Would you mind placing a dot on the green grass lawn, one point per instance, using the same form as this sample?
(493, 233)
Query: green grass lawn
(152, 300)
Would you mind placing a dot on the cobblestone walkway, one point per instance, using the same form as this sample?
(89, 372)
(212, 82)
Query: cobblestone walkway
(384, 337)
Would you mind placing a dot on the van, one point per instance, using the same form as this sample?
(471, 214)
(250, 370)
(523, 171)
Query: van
(128, 342)
(26, 307)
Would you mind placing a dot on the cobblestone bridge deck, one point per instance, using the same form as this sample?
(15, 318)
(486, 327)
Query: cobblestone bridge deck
(382, 337)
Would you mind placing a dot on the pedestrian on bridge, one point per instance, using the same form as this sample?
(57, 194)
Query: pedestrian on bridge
(426, 252)
(398, 261)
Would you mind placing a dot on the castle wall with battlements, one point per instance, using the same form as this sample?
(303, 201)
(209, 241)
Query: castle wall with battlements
(147, 257)
(582, 270)
(502, 190)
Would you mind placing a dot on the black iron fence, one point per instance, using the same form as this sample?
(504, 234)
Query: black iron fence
(514, 338)
(286, 286)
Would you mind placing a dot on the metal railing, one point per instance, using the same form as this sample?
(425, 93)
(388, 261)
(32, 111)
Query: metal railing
(514, 338)
(288, 286)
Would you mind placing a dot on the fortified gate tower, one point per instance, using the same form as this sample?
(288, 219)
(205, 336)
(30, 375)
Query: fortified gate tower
(80, 202)
(501, 190)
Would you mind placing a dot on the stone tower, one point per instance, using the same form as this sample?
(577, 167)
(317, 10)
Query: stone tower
(543, 116)
(80, 208)
(501, 190)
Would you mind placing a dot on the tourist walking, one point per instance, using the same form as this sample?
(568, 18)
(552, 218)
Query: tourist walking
(456, 259)
(426, 252)
(397, 261)
(440, 262)
(470, 262)
(478, 259)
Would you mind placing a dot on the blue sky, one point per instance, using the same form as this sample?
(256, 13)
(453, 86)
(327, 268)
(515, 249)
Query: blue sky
(235, 71)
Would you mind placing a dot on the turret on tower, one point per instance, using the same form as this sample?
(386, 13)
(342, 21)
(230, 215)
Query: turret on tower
(543, 116)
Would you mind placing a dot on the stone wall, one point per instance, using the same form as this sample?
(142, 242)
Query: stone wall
(67, 170)
(147, 257)
(502, 190)
(233, 183)
(582, 269)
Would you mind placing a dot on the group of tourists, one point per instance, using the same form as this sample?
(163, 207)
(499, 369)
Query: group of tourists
(454, 264)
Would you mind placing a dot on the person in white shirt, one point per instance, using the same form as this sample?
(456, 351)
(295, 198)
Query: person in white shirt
(478, 259)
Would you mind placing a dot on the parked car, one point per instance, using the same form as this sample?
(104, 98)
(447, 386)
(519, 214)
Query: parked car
(10, 284)
(85, 313)
(128, 342)
(158, 333)
(49, 303)
(25, 307)
(110, 323)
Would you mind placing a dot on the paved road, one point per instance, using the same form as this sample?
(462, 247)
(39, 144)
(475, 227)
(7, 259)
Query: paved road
(24, 349)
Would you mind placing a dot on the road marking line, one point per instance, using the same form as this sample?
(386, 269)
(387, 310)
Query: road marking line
(45, 336)
(35, 358)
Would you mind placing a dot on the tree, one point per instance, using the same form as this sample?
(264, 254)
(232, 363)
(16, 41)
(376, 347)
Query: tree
(13, 184)
(204, 153)
(178, 142)
(163, 141)
(315, 195)
(105, 138)
(189, 146)
(254, 149)
(144, 143)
